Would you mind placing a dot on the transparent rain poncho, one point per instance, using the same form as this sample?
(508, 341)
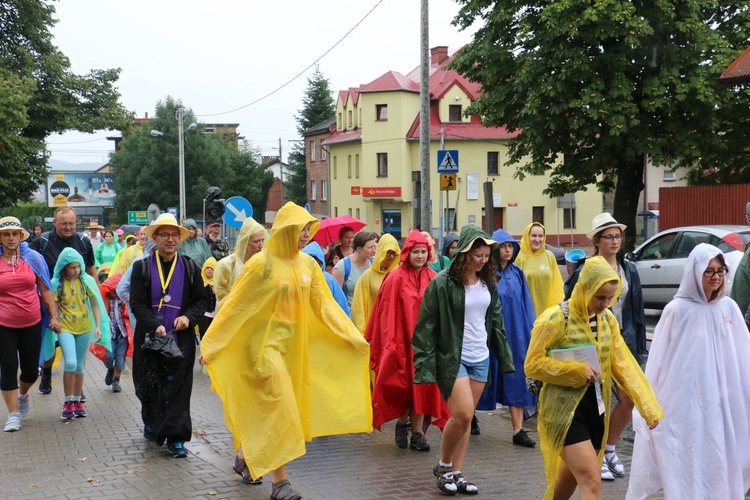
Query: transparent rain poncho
(229, 268)
(565, 382)
(286, 361)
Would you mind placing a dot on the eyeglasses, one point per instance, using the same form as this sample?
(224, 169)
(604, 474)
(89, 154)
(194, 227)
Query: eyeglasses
(610, 237)
(708, 273)
(169, 236)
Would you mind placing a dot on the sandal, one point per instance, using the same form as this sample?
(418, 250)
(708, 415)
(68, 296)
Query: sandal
(445, 479)
(464, 487)
(283, 491)
(240, 467)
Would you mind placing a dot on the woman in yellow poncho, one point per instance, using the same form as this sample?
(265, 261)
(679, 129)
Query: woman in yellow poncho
(540, 267)
(386, 260)
(574, 401)
(250, 239)
(280, 342)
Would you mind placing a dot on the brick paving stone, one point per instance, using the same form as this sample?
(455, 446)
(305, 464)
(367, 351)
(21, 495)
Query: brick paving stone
(50, 458)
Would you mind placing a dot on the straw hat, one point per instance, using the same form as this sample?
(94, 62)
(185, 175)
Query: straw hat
(10, 223)
(168, 220)
(94, 225)
(602, 222)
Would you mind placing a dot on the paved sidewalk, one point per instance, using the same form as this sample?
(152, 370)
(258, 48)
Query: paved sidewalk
(105, 456)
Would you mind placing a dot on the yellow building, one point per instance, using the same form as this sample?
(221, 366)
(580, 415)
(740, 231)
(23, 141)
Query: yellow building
(375, 170)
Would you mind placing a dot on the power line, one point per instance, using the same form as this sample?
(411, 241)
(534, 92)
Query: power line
(304, 70)
(78, 142)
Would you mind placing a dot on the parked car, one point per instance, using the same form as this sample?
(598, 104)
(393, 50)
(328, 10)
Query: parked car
(661, 259)
(559, 254)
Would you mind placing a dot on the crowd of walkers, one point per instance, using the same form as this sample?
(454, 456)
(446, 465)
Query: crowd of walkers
(423, 333)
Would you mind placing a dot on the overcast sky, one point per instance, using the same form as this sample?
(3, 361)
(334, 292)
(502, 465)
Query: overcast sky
(224, 54)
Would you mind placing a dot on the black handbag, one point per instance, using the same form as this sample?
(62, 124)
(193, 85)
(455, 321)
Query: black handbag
(163, 349)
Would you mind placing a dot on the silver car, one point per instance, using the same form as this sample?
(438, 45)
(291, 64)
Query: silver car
(661, 259)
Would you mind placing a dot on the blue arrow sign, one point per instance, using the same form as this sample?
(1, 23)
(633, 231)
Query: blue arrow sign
(307, 207)
(447, 161)
(238, 209)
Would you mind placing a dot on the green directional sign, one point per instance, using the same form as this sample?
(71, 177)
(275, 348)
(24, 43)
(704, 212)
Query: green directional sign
(138, 218)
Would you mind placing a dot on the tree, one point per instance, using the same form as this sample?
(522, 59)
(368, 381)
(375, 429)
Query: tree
(147, 167)
(605, 84)
(317, 106)
(40, 95)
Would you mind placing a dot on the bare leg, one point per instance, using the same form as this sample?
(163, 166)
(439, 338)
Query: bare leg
(417, 421)
(23, 387)
(582, 464)
(621, 415)
(117, 374)
(78, 384)
(11, 400)
(462, 401)
(279, 474)
(516, 417)
(69, 383)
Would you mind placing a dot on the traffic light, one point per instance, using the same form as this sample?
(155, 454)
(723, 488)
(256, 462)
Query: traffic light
(214, 206)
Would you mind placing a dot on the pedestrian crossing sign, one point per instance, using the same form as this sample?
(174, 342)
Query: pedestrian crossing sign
(447, 160)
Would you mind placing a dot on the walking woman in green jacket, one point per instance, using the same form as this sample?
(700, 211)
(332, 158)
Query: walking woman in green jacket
(459, 321)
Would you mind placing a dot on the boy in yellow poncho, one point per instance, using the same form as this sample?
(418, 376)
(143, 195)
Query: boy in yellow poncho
(574, 403)
(280, 342)
(540, 268)
(386, 260)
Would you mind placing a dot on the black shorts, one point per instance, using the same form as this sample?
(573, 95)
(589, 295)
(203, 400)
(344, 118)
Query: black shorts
(587, 424)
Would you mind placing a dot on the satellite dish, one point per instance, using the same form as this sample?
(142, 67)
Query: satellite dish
(153, 212)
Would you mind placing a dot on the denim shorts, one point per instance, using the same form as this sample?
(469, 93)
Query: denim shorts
(478, 371)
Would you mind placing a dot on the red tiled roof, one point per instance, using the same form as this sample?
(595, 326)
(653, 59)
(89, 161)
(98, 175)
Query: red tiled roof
(739, 70)
(474, 130)
(340, 136)
(352, 93)
(393, 80)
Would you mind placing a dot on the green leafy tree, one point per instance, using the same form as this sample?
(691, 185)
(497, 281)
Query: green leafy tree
(607, 83)
(147, 167)
(40, 95)
(317, 106)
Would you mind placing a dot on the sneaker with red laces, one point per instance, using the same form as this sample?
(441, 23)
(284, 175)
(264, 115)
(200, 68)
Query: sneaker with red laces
(78, 410)
(67, 411)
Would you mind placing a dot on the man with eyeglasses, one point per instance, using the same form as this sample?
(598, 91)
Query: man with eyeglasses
(51, 244)
(167, 297)
(741, 285)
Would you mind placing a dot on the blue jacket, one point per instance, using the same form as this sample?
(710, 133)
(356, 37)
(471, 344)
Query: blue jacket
(633, 327)
(313, 250)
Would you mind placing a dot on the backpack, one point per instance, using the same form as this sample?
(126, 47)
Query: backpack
(348, 271)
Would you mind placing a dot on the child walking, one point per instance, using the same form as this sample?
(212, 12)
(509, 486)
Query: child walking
(121, 333)
(79, 307)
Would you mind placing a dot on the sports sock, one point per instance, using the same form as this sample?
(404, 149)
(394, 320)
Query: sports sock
(444, 464)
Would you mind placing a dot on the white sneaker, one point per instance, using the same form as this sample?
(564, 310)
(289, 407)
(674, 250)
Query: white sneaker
(615, 466)
(606, 474)
(13, 423)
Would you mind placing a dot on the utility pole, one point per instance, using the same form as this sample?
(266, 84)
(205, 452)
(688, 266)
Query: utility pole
(281, 173)
(441, 217)
(424, 119)
(181, 156)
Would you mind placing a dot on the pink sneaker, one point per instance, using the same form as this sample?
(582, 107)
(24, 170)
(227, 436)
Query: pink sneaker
(67, 411)
(78, 410)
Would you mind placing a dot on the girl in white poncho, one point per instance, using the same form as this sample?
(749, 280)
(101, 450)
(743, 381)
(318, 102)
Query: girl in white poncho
(698, 366)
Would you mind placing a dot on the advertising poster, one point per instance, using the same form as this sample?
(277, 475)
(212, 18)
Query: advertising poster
(82, 189)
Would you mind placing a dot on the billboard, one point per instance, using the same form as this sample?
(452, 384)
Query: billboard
(81, 189)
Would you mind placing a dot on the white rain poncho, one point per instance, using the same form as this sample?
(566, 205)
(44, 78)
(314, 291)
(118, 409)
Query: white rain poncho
(565, 382)
(699, 367)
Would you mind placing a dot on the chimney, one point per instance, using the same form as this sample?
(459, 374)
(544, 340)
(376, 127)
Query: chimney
(438, 55)
(146, 115)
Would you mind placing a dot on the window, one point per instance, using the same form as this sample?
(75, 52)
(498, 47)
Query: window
(312, 151)
(382, 164)
(658, 249)
(335, 211)
(350, 119)
(358, 217)
(350, 212)
(340, 122)
(492, 161)
(335, 167)
(454, 113)
(537, 215)
(349, 166)
(569, 218)
(669, 176)
(323, 152)
(356, 166)
(312, 191)
(324, 190)
(381, 112)
(209, 130)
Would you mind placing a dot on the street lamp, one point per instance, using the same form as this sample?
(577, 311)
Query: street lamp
(180, 115)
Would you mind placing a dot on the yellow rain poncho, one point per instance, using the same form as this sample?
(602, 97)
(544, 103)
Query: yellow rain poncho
(286, 361)
(210, 262)
(229, 268)
(128, 256)
(542, 274)
(369, 284)
(565, 382)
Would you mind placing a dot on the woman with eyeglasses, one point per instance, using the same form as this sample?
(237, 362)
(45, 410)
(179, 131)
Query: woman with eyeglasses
(699, 370)
(607, 236)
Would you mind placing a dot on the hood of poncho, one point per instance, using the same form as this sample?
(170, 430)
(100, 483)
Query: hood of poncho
(502, 236)
(284, 239)
(250, 227)
(526, 241)
(691, 286)
(386, 242)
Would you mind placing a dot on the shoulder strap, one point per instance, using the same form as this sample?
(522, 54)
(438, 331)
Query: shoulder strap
(44, 242)
(146, 270)
(347, 272)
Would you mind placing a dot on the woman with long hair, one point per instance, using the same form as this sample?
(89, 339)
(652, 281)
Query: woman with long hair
(460, 320)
